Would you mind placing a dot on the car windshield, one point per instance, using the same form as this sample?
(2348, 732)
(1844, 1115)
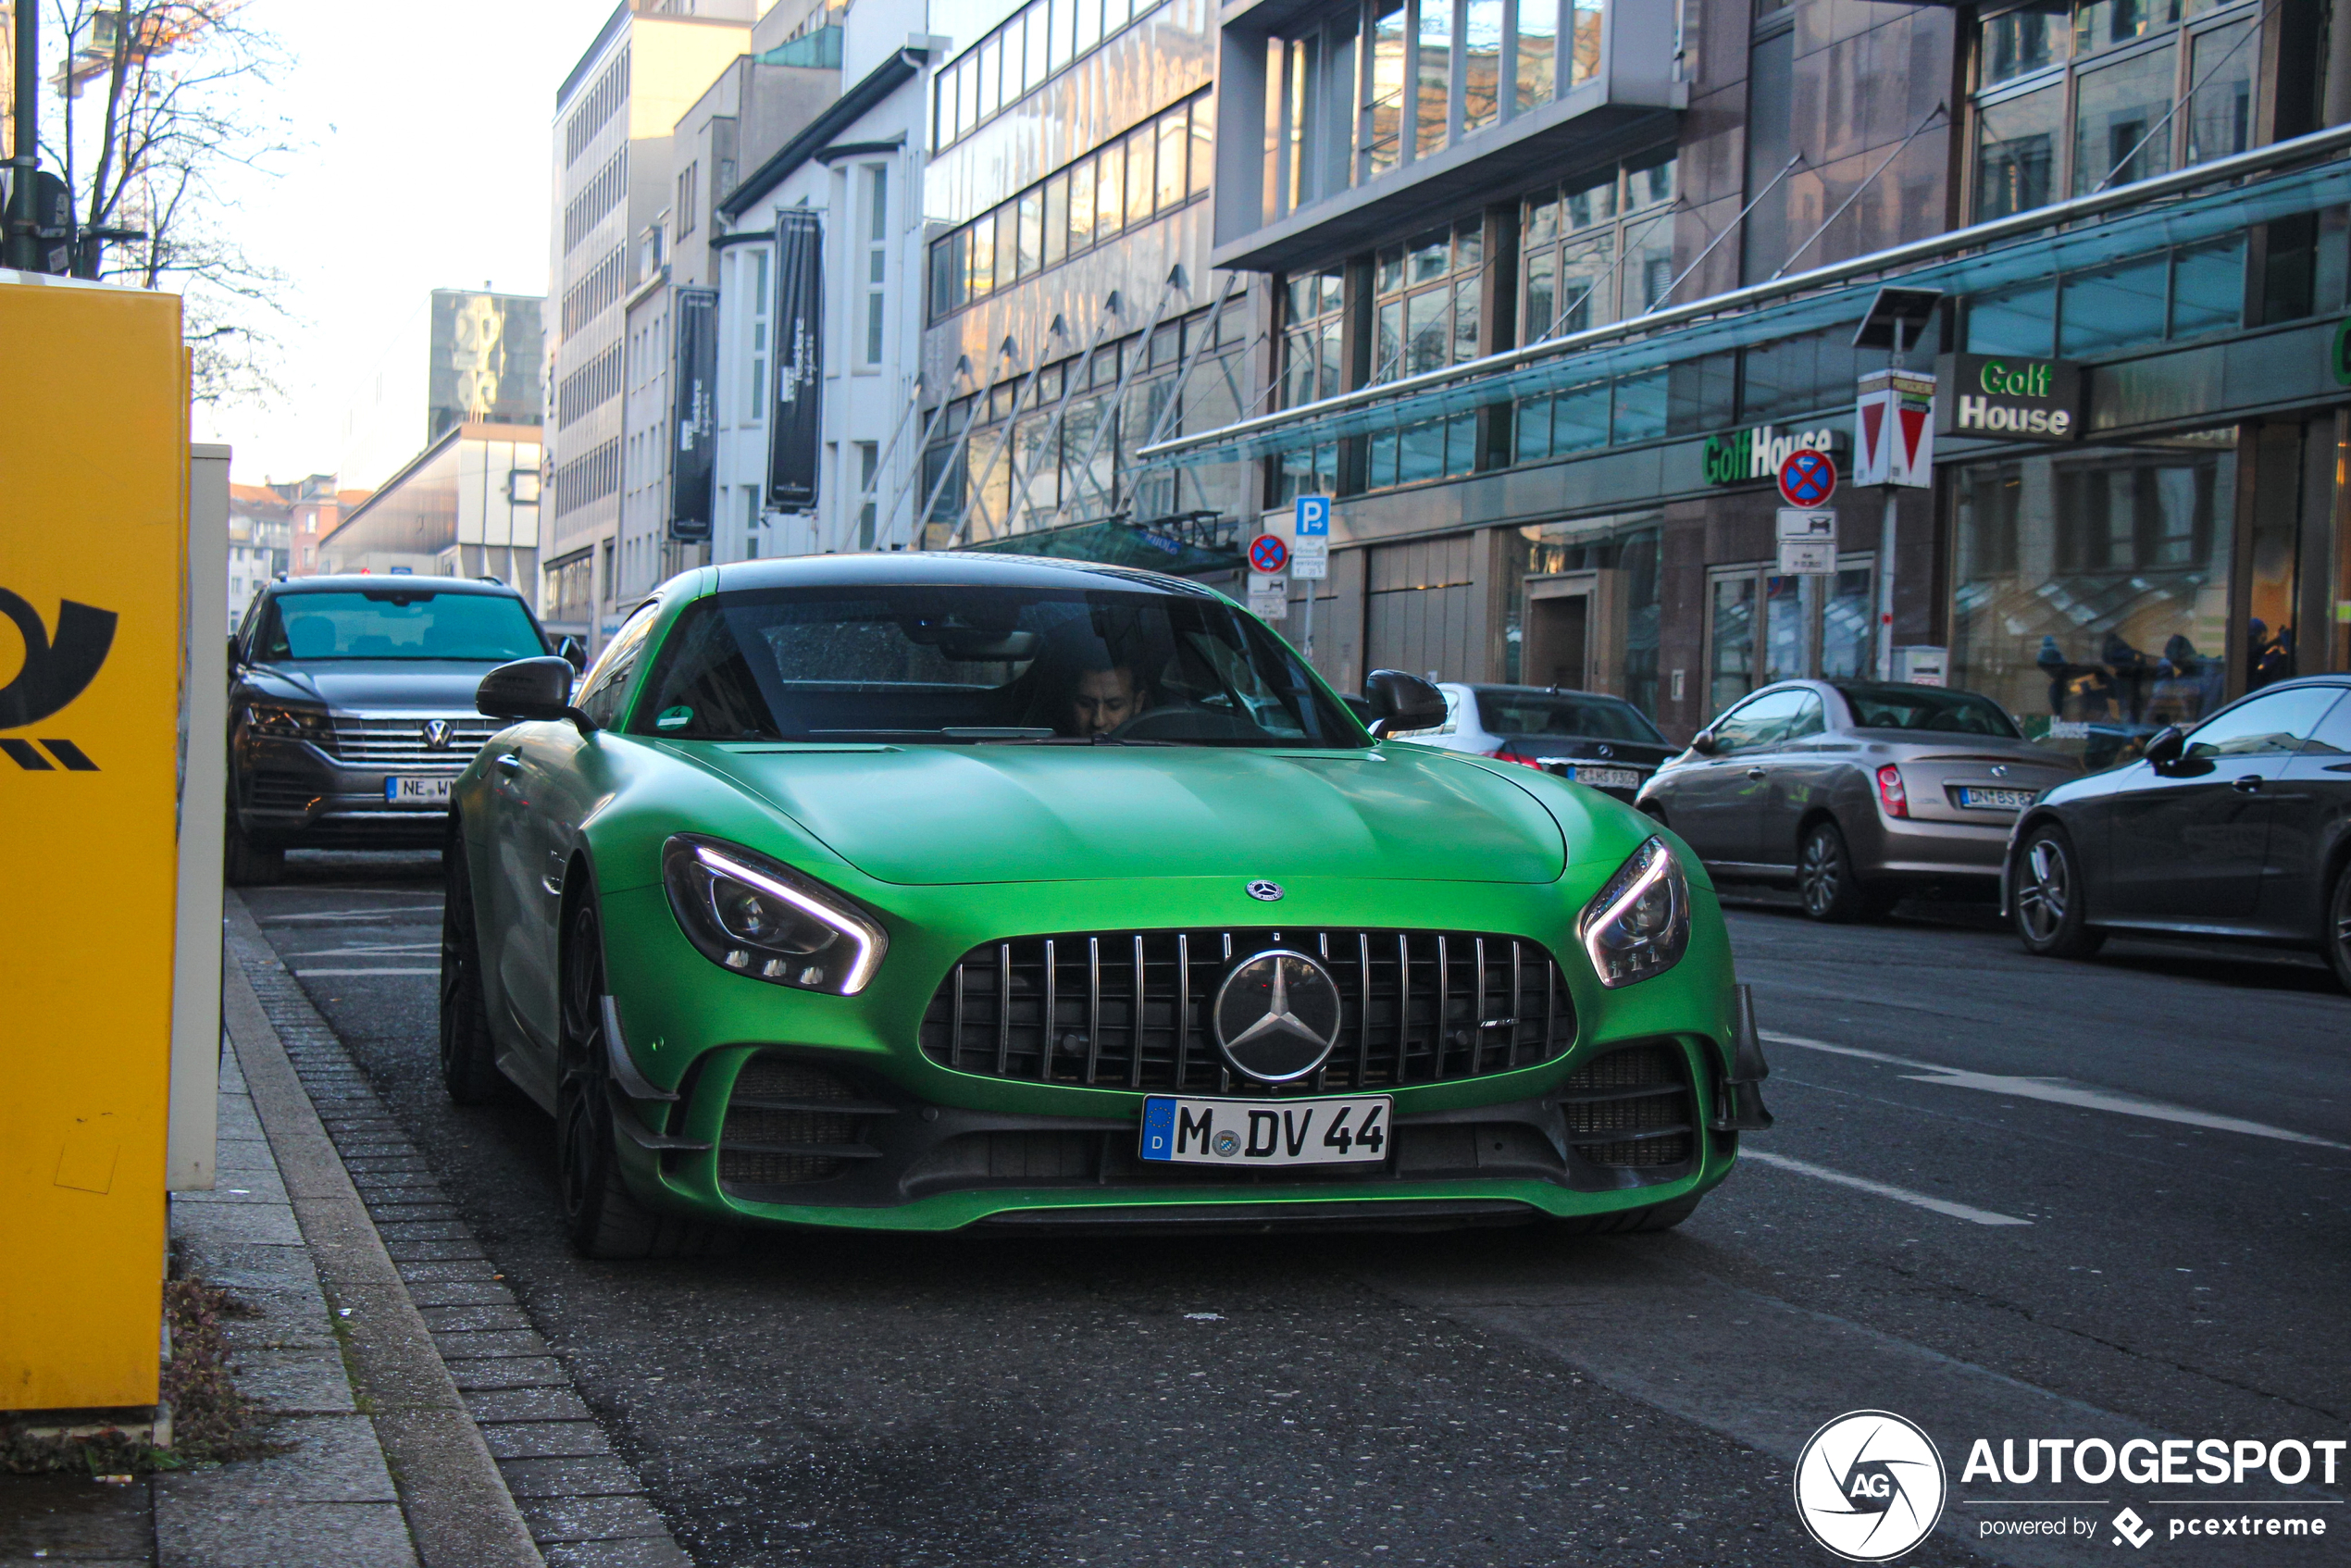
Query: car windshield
(1925, 707)
(930, 665)
(1563, 713)
(396, 623)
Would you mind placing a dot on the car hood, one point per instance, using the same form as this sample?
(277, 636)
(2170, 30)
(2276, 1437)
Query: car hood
(933, 814)
(440, 686)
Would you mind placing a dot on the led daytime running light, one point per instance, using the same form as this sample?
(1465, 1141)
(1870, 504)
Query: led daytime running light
(1621, 956)
(861, 968)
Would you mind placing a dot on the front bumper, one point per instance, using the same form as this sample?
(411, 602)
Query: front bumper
(907, 1144)
(289, 794)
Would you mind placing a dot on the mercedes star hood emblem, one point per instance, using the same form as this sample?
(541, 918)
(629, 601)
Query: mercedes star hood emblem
(1276, 1015)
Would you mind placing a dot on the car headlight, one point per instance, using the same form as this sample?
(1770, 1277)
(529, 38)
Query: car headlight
(289, 723)
(1639, 924)
(746, 913)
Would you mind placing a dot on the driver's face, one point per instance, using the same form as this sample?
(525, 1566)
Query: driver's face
(1105, 700)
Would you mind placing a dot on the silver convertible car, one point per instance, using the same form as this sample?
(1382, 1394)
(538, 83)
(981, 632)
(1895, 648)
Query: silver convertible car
(1855, 791)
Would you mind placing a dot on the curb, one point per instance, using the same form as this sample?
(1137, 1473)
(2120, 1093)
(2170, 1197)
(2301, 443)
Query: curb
(458, 1508)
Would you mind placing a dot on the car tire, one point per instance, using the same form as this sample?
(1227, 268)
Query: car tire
(602, 1217)
(1826, 883)
(2045, 899)
(2338, 926)
(249, 864)
(468, 1057)
(1626, 1221)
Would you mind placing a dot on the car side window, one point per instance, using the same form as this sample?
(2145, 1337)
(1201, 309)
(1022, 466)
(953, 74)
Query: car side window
(1762, 721)
(1809, 719)
(606, 686)
(2332, 736)
(2274, 724)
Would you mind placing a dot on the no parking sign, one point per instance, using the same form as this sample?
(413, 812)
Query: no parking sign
(1808, 478)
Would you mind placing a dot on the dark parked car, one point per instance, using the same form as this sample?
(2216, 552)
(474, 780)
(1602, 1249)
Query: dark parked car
(1854, 790)
(1589, 737)
(351, 710)
(2238, 828)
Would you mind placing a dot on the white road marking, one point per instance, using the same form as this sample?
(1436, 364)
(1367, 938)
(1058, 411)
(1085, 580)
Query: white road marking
(345, 915)
(370, 950)
(1899, 1194)
(2060, 1091)
(306, 973)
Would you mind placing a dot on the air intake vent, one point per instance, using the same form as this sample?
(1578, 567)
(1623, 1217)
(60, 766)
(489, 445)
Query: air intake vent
(789, 1122)
(1631, 1109)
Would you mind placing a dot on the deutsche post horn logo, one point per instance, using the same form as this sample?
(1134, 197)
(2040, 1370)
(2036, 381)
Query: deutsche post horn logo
(56, 671)
(1870, 1486)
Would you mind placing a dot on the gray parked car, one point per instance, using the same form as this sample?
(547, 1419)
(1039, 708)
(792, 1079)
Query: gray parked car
(1855, 791)
(1587, 735)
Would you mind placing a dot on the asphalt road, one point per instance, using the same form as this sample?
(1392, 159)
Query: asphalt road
(2007, 1198)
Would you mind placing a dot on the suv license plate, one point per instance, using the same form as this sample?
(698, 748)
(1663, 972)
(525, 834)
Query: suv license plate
(1257, 1133)
(1995, 799)
(403, 791)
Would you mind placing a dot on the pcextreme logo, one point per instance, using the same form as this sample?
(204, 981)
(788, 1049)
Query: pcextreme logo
(56, 670)
(1870, 1486)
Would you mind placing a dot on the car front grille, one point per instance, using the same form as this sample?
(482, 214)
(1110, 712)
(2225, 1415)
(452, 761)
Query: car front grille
(401, 742)
(1632, 1109)
(1130, 1009)
(789, 1122)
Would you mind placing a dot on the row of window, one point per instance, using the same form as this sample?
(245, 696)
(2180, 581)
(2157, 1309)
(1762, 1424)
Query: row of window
(1389, 80)
(588, 477)
(590, 387)
(596, 292)
(599, 196)
(1042, 37)
(1153, 168)
(603, 101)
(2142, 93)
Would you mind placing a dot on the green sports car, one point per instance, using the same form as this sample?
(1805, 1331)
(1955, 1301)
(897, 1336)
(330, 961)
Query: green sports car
(920, 891)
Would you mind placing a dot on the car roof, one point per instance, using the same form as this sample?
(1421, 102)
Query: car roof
(946, 568)
(1547, 691)
(346, 583)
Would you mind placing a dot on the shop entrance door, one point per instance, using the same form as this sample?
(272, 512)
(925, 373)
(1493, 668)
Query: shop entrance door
(1575, 632)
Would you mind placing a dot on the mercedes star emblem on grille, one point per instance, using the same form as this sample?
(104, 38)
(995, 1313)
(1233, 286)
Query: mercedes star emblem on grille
(437, 732)
(1604, 751)
(2000, 770)
(1264, 891)
(1278, 1015)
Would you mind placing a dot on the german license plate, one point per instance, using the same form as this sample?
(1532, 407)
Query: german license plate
(1995, 799)
(401, 790)
(1604, 778)
(1254, 1134)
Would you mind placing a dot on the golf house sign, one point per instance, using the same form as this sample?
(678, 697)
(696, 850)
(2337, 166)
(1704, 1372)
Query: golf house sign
(2007, 396)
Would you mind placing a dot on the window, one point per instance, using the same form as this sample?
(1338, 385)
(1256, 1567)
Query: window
(686, 198)
(2273, 724)
(2108, 92)
(868, 473)
(1572, 236)
(876, 266)
(1765, 626)
(755, 408)
(1765, 722)
(606, 686)
(1025, 52)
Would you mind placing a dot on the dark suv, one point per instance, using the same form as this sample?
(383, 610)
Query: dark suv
(351, 710)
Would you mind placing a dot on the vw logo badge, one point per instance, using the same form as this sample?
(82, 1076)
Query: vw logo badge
(437, 732)
(1276, 1015)
(1264, 891)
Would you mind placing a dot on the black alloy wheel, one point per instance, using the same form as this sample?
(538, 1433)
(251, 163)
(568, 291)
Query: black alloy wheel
(2045, 898)
(468, 1058)
(1830, 890)
(601, 1216)
(2339, 926)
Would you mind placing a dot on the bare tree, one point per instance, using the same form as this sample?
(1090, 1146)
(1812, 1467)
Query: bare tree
(160, 100)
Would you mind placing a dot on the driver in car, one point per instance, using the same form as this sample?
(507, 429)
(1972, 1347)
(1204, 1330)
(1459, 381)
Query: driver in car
(1107, 695)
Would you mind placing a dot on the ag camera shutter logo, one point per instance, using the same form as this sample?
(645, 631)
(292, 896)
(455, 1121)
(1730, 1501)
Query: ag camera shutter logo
(1870, 1486)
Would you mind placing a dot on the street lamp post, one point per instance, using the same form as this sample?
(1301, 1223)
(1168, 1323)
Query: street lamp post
(24, 215)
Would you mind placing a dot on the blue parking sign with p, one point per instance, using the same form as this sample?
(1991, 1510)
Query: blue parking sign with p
(1313, 516)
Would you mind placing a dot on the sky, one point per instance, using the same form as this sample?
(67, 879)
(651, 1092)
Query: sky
(425, 165)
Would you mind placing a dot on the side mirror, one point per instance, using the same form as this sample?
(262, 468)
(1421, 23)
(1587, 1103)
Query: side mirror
(1402, 702)
(536, 689)
(573, 651)
(1704, 744)
(2166, 746)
